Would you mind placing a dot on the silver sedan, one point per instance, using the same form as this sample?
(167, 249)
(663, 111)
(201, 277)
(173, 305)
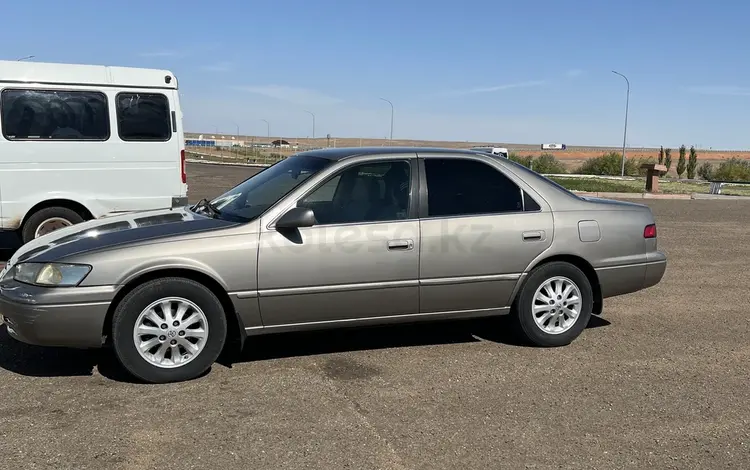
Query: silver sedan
(327, 239)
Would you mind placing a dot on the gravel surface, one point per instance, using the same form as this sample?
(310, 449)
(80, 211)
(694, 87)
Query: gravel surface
(660, 381)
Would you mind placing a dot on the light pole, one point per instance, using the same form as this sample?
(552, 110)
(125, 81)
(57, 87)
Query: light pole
(313, 122)
(625, 132)
(391, 139)
(268, 128)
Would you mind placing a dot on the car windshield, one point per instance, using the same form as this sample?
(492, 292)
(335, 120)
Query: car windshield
(249, 199)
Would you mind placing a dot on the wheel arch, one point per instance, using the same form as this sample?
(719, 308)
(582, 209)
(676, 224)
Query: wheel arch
(235, 332)
(81, 209)
(581, 264)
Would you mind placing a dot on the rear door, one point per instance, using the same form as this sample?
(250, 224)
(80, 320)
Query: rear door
(479, 230)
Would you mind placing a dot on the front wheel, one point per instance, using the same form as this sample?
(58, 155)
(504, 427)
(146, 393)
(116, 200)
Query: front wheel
(554, 305)
(168, 330)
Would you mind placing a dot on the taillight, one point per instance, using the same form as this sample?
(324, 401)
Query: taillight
(183, 174)
(649, 231)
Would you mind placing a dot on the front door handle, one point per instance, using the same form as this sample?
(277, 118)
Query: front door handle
(536, 235)
(400, 244)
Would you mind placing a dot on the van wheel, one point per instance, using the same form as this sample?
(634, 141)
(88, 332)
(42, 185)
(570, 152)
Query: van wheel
(48, 220)
(554, 305)
(168, 330)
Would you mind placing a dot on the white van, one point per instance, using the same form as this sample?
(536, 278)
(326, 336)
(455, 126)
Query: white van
(501, 151)
(85, 141)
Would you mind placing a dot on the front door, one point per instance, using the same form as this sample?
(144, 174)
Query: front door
(480, 230)
(361, 258)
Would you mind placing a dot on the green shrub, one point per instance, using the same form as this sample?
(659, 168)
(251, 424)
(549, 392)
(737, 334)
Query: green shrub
(734, 169)
(668, 158)
(547, 163)
(692, 164)
(661, 155)
(525, 161)
(609, 164)
(706, 171)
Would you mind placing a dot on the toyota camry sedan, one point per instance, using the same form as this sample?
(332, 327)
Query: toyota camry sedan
(331, 239)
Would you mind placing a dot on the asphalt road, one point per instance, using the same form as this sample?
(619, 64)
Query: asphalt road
(661, 381)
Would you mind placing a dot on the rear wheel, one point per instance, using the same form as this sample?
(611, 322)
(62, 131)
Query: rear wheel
(48, 220)
(554, 305)
(168, 330)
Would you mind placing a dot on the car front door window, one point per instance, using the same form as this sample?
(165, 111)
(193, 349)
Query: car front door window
(369, 192)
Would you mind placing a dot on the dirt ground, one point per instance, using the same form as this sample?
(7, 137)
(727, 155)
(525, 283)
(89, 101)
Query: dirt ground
(659, 381)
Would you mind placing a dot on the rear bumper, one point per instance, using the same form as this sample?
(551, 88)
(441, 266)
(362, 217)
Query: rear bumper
(655, 271)
(625, 279)
(74, 325)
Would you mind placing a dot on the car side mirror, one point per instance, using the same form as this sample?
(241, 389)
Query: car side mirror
(297, 217)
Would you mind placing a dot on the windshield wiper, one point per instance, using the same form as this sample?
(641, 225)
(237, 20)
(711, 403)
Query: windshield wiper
(205, 204)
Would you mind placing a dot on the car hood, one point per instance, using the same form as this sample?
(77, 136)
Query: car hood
(108, 232)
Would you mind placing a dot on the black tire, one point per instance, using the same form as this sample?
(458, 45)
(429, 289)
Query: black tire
(522, 312)
(38, 217)
(131, 306)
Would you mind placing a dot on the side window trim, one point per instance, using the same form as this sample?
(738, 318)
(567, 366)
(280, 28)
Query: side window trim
(169, 116)
(424, 190)
(101, 94)
(413, 213)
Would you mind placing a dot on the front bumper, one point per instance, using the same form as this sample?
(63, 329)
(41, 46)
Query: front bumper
(66, 317)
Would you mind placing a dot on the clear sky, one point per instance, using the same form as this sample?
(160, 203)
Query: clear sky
(505, 71)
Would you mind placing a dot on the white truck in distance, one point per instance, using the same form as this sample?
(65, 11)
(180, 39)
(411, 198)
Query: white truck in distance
(84, 141)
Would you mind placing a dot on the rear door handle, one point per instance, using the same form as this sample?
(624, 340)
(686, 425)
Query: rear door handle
(535, 235)
(400, 244)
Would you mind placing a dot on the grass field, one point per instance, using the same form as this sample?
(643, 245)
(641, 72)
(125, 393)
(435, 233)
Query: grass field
(635, 185)
(638, 185)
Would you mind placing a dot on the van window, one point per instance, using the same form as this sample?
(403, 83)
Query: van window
(54, 115)
(143, 117)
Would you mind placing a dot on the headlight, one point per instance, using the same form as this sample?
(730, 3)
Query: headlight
(50, 274)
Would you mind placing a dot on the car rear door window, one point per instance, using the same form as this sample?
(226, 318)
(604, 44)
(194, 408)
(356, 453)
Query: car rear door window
(457, 187)
(143, 117)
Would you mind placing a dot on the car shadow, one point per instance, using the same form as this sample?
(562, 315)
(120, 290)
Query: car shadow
(36, 361)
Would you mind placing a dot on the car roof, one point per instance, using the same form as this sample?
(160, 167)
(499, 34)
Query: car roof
(347, 152)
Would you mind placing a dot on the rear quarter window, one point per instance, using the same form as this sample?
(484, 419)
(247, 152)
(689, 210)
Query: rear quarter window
(143, 117)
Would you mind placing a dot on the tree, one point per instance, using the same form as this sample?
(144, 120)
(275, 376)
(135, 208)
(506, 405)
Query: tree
(681, 162)
(661, 155)
(668, 158)
(692, 163)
